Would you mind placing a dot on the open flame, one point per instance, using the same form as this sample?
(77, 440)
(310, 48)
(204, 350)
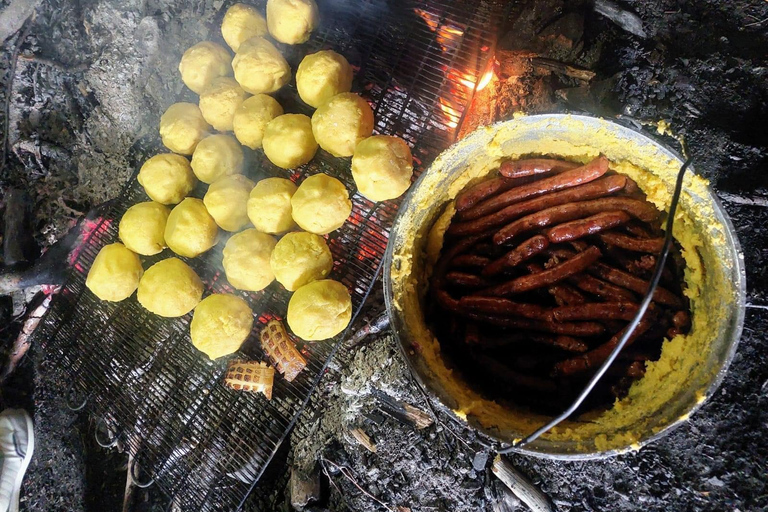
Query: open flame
(485, 80)
(448, 35)
(452, 115)
(468, 80)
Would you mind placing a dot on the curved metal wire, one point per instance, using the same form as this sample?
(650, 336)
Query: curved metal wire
(630, 328)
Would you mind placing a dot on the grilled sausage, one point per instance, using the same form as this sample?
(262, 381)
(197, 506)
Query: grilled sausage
(567, 328)
(466, 280)
(598, 355)
(584, 227)
(590, 172)
(503, 307)
(519, 254)
(470, 261)
(483, 190)
(650, 245)
(530, 167)
(592, 190)
(571, 211)
(601, 289)
(596, 311)
(550, 276)
(630, 282)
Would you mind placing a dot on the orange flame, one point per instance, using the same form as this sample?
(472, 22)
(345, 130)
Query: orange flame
(485, 80)
(451, 114)
(452, 30)
(468, 80)
(447, 35)
(429, 18)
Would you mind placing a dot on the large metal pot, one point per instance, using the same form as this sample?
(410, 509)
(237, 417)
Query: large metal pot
(689, 370)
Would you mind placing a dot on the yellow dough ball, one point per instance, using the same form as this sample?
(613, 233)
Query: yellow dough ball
(260, 67)
(321, 204)
(167, 178)
(170, 288)
(182, 126)
(321, 76)
(190, 230)
(300, 258)
(115, 273)
(288, 141)
(203, 62)
(242, 22)
(227, 199)
(341, 123)
(251, 119)
(220, 100)
(220, 325)
(246, 260)
(382, 167)
(269, 205)
(216, 156)
(142, 228)
(319, 310)
(291, 21)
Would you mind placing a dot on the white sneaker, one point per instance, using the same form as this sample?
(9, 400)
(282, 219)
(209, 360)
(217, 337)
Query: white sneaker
(17, 442)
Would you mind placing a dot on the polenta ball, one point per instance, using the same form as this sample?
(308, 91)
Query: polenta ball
(321, 204)
(203, 62)
(300, 258)
(319, 310)
(182, 126)
(167, 178)
(216, 156)
(288, 141)
(382, 167)
(190, 229)
(219, 101)
(269, 205)
(142, 228)
(115, 273)
(291, 21)
(242, 22)
(170, 288)
(226, 201)
(260, 67)
(321, 76)
(220, 325)
(251, 119)
(246, 260)
(341, 123)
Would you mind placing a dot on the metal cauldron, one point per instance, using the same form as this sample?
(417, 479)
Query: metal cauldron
(406, 270)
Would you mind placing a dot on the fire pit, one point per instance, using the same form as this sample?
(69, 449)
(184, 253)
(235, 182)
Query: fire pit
(84, 87)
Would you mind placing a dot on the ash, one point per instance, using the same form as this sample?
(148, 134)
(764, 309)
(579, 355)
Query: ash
(427, 469)
(90, 80)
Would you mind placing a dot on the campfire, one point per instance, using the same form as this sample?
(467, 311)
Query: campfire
(353, 427)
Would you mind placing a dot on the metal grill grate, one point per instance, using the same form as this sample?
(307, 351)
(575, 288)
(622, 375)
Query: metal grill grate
(202, 443)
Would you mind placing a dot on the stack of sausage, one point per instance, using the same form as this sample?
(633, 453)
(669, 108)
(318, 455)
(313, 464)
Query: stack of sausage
(542, 268)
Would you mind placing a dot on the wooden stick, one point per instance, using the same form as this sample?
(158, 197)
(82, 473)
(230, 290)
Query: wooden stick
(554, 66)
(363, 438)
(401, 411)
(521, 486)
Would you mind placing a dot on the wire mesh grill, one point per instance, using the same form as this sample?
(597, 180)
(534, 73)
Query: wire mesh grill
(203, 443)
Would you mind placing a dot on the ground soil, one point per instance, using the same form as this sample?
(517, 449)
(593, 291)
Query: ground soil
(105, 70)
